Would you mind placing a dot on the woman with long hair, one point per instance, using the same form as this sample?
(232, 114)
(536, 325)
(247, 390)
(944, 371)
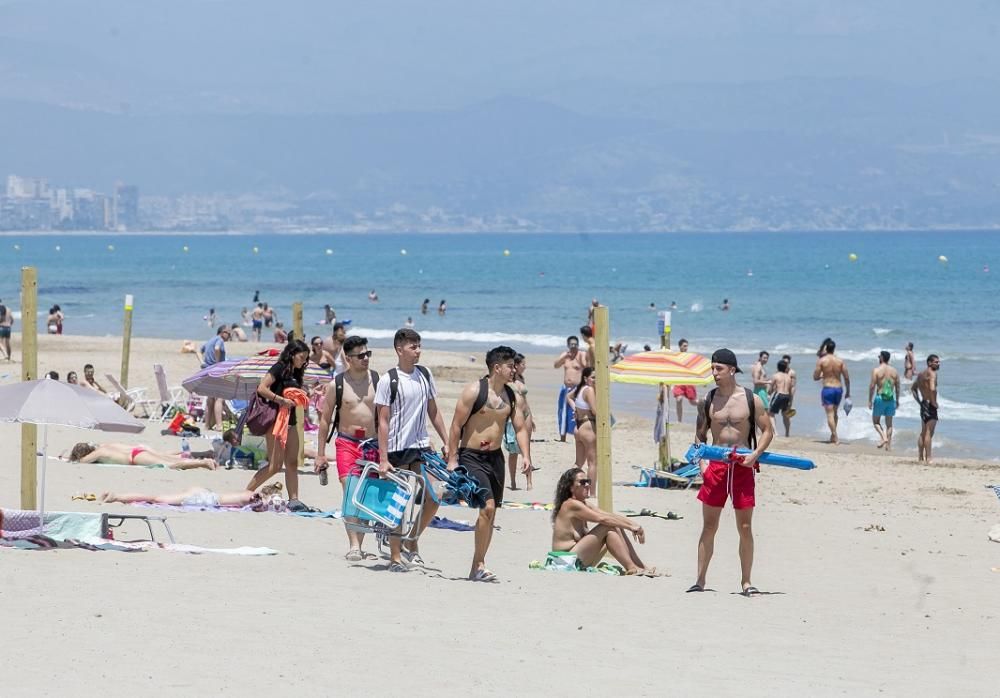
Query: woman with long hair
(571, 516)
(287, 372)
(318, 355)
(582, 401)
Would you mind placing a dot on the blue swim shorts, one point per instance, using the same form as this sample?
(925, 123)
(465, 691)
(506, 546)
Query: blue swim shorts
(831, 397)
(883, 408)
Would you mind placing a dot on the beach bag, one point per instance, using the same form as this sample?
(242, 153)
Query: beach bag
(260, 416)
(562, 561)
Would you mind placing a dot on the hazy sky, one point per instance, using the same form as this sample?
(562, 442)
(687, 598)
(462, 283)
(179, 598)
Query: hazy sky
(301, 55)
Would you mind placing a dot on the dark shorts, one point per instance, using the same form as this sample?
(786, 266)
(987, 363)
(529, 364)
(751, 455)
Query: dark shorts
(831, 397)
(258, 324)
(487, 467)
(780, 403)
(928, 412)
(408, 458)
(4, 332)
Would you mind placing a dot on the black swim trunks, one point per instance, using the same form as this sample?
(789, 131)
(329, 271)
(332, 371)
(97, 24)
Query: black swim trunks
(928, 412)
(780, 403)
(488, 468)
(409, 458)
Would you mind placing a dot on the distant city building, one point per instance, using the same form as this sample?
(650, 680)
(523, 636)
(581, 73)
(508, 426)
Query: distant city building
(126, 207)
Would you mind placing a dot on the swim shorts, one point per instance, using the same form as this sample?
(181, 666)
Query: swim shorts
(782, 402)
(203, 498)
(883, 408)
(258, 324)
(510, 439)
(762, 394)
(487, 468)
(720, 480)
(685, 391)
(928, 412)
(349, 452)
(407, 458)
(4, 332)
(831, 397)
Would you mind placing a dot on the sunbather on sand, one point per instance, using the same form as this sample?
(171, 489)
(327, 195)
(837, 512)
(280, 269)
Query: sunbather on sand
(198, 497)
(127, 454)
(571, 516)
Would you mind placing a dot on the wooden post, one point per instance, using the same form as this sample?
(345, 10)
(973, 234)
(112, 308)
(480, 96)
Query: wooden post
(602, 380)
(126, 340)
(29, 372)
(664, 449)
(299, 333)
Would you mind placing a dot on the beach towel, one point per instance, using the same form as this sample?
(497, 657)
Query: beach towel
(557, 561)
(534, 506)
(564, 415)
(280, 429)
(450, 525)
(40, 542)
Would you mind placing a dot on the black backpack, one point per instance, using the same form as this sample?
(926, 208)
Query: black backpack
(394, 381)
(752, 436)
(338, 386)
(484, 391)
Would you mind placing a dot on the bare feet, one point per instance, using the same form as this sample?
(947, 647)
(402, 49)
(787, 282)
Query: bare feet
(108, 498)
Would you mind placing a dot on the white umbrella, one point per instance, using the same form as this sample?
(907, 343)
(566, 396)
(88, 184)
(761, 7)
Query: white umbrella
(48, 402)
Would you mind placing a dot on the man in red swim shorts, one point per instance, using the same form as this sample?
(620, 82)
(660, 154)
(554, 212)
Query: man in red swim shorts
(734, 415)
(349, 409)
(684, 392)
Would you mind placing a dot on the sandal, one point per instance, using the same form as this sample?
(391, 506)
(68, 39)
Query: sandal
(398, 567)
(412, 557)
(751, 591)
(695, 588)
(354, 556)
(483, 575)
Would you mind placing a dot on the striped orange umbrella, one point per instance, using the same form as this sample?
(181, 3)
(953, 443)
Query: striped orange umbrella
(663, 367)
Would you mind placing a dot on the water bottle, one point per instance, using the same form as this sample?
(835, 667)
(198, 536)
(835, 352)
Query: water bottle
(324, 477)
(185, 448)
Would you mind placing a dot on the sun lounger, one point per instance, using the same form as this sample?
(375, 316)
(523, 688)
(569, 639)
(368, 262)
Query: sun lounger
(171, 399)
(112, 522)
(389, 506)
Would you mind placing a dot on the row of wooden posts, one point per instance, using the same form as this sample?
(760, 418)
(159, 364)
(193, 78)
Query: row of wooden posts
(29, 371)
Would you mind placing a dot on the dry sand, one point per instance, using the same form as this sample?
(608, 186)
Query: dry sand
(913, 609)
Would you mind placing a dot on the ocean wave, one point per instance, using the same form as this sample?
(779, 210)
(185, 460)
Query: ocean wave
(883, 331)
(514, 339)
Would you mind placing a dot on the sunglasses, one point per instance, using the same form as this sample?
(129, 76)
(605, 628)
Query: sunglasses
(361, 355)
(585, 482)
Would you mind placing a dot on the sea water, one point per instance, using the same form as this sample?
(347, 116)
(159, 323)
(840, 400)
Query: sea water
(786, 293)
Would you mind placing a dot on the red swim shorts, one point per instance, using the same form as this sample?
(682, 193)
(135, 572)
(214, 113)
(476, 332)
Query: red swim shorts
(348, 452)
(687, 391)
(721, 479)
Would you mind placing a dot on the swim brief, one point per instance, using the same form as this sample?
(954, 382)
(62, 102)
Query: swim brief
(135, 452)
(720, 480)
(4, 332)
(883, 408)
(510, 439)
(349, 451)
(762, 394)
(487, 468)
(203, 498)
(782, 402)
(831, 397)
(928, 412)
(686, 391)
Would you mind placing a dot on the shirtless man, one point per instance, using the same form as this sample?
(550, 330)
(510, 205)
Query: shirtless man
(572, 362)
(761, 383)
(836, 383)
(354, 421)
(925, 392)
(883, 397)
(727, 413)
(782, 392)
(89, 381)
(683, 392)
(909, 362)
(334, 345)
(6, 322)
(474, 439)
(787, 358)
(572, 516)
(257, 321)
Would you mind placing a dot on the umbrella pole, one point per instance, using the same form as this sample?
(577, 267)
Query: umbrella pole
(41, 482)
(665, 439)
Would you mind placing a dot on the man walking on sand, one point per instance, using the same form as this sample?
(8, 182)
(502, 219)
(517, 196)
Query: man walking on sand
(925, 392)
(761, 384)
(477, 430)
(684, 392)
(572, 362)
(782, 393)
(832, 371)
(883, 397)
(406, 398)
(6, 322)
(349, 409)
(734, 414)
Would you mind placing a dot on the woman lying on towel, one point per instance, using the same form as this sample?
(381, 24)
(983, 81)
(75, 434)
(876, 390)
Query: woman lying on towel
(269, 498)
(126, 454)
(573, 513)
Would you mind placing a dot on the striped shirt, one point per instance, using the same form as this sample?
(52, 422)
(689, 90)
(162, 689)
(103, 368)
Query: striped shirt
(408, 413)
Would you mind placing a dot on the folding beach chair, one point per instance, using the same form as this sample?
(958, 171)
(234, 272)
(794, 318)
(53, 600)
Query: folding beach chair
(112, 522)
(387, 506)
(129, 399)
(171, 399)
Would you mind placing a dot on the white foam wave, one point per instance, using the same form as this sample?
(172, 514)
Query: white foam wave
(882, 331)
(951, 410)
(513, 339)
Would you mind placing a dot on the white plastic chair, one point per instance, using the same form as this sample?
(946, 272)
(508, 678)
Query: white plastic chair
(129, 399)
(171, 399)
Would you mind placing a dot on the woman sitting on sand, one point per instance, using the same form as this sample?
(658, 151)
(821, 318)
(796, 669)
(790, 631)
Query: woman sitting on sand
(268, 498)
(127, 454)
(318, 355)
(571, 516)
(582, 401)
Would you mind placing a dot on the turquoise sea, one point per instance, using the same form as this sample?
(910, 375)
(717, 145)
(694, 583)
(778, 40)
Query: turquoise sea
(787, 292)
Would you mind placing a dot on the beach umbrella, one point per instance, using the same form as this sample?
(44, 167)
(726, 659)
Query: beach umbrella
(663, 367)
(48, 402)
(237, 379)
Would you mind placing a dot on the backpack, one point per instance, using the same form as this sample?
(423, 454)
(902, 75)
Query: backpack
(888, 390)
(484, 391)
(752, 436)
(338, 386)
(394, 381)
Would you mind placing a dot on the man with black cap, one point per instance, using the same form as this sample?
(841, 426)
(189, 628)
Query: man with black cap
(734, 415)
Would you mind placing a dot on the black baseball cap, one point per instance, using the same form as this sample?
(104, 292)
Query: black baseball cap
(724, 356)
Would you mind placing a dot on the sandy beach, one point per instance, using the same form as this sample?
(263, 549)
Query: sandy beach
(849, 609)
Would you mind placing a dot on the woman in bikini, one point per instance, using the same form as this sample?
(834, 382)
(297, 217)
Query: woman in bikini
(127, 454)
(582, 400)
(573, 514)
(202, 497)
(318, 355)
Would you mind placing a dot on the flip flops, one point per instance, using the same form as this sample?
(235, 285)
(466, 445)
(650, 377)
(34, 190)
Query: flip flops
(695, 588)
(751, 591)
(483, 575)
(413, 557)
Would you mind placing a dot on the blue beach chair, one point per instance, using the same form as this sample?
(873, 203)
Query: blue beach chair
(386, 506)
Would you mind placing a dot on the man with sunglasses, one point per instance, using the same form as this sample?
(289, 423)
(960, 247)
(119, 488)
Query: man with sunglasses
(572, 362)
(477, 429)
(353, 416)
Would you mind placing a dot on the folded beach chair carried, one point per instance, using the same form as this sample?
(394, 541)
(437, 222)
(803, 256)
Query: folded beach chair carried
(388, 506)
(457, 485)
